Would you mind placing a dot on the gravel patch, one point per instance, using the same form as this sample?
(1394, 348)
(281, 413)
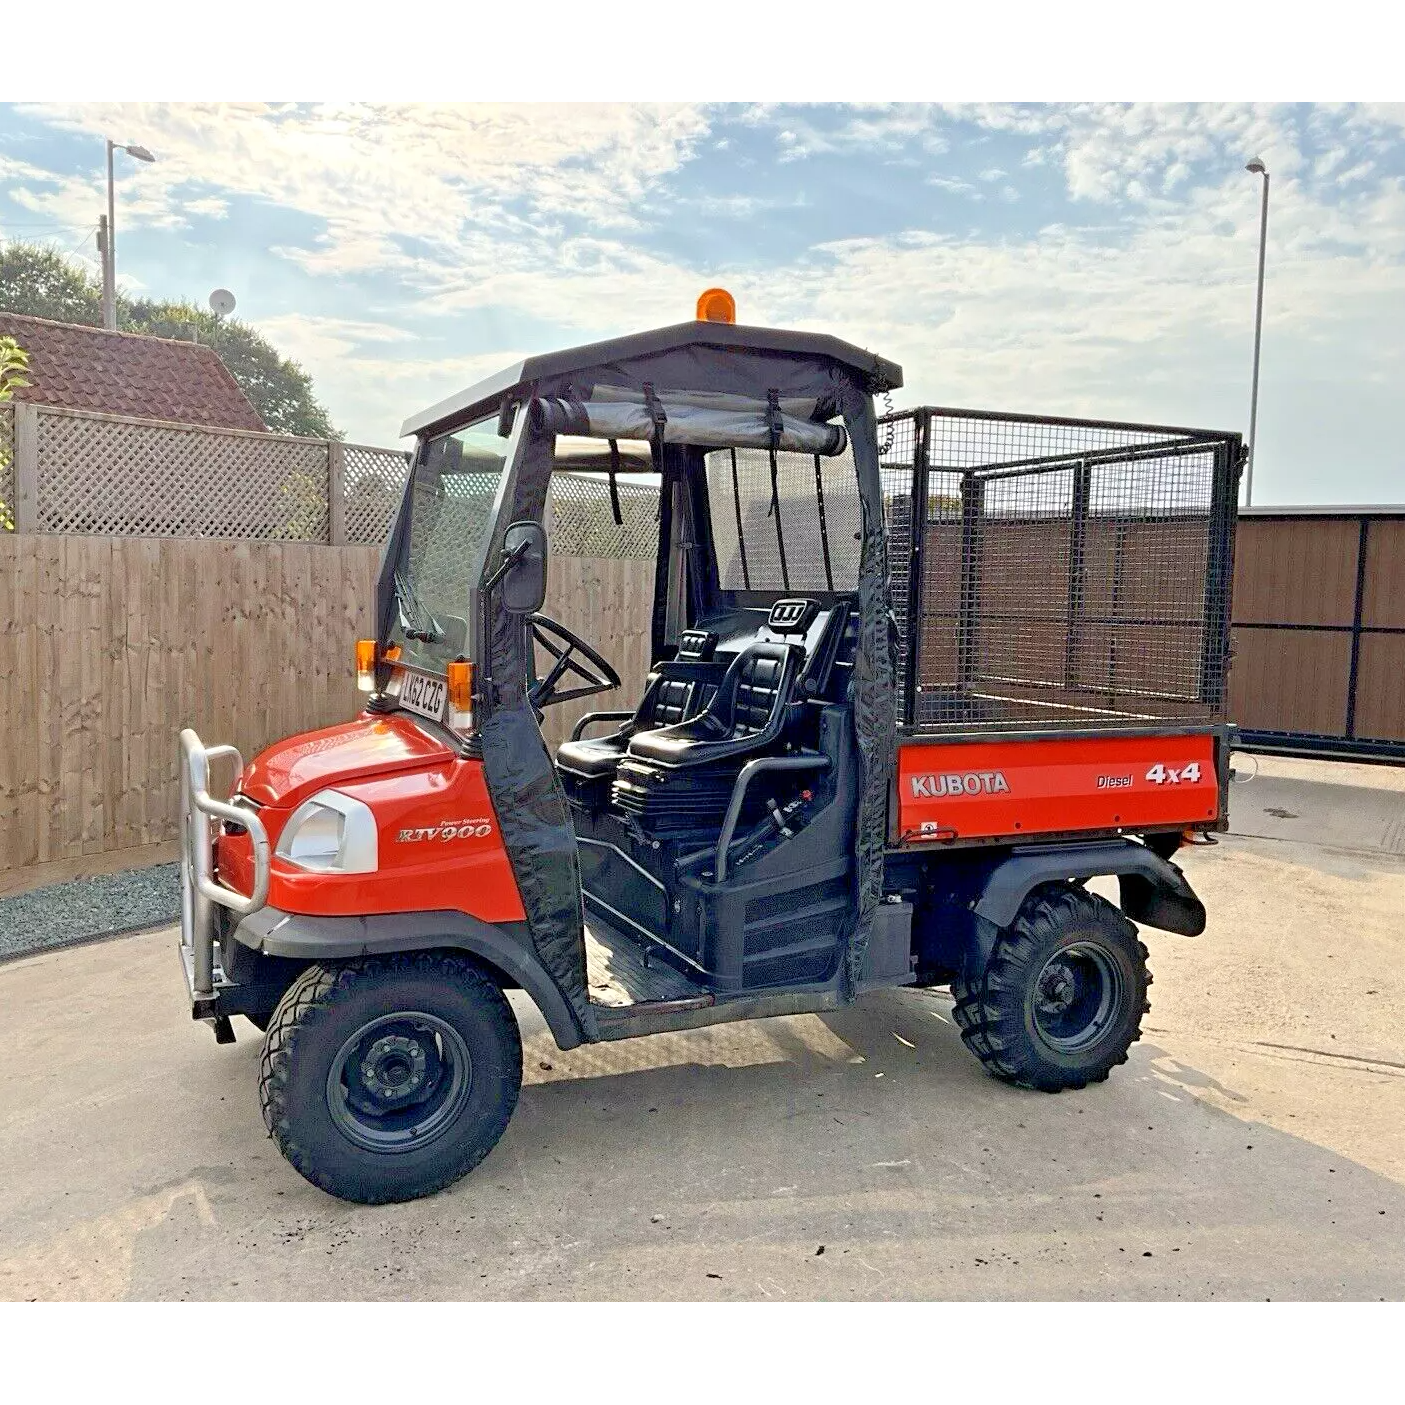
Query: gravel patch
(86, 908)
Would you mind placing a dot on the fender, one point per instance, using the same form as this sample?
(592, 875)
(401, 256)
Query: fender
(507, 947)
(1154, 890)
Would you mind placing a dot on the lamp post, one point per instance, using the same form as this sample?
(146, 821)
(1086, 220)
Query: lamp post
(109, 262)
(1256, 167)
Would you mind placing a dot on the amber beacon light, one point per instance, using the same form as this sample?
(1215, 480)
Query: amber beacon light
(717, 305)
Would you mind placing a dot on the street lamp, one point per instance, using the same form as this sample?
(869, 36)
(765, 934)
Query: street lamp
(1256, 167)
(109, 262)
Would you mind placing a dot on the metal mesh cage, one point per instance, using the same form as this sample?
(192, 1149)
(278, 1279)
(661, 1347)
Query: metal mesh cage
(1068, 571)
(898, 443)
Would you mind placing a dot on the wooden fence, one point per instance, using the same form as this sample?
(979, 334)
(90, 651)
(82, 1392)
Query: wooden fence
(112, 644)
(109, 645)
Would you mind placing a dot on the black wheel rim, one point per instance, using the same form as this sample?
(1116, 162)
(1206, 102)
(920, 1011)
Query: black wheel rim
(1076, 997)
(399, 1082)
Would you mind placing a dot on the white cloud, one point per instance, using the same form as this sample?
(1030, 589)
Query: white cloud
(378, 174)
(952, 183)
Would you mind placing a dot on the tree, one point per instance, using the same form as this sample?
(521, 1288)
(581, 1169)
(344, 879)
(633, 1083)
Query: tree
(14, 361)
(40, 282)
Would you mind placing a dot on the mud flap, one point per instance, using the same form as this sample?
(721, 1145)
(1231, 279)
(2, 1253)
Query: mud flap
(1163, 902)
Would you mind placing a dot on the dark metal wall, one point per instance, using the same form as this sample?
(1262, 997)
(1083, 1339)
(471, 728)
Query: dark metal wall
(1319, 631)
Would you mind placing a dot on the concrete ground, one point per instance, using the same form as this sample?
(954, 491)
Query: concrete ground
(1254, 1147)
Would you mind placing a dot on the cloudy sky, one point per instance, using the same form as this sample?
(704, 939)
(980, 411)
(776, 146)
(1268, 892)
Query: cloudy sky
(1073, 259)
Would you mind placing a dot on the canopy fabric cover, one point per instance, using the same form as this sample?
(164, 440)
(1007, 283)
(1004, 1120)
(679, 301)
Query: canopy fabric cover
(557, 368)
(716, 421)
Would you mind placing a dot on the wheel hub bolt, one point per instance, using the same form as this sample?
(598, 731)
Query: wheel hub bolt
(393, 1068)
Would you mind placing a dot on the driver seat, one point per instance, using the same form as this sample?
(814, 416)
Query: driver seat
(666, 702)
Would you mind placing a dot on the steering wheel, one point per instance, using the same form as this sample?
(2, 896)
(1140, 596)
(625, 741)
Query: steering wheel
(572, 655)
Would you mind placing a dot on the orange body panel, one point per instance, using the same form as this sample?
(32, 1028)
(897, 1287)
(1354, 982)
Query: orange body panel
(1022, 789)
(440, 846)
(299, 766)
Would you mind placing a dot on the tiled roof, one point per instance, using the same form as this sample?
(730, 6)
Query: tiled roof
(118, 373)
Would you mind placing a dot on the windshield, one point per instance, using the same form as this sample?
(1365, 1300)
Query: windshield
(451, 512)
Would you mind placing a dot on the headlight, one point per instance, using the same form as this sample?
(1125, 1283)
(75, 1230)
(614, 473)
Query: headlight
(331, 833)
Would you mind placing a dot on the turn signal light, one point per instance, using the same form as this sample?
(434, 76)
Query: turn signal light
(717, 305)
(366, 665)
(460, 679)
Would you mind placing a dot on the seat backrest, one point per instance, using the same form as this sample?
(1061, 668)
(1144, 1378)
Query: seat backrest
(758, 681)
(672, 701)
(669, 699)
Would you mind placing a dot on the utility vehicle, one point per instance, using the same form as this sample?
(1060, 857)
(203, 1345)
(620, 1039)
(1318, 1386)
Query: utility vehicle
(916, 679)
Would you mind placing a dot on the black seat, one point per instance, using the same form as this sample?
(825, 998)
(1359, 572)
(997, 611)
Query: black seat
(667, 701)
(679, 779)
(747, 714)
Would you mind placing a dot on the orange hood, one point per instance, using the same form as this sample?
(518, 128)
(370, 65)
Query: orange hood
(290, 771)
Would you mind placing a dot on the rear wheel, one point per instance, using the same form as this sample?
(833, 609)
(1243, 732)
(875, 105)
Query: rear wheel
(389, 1079)
(1061, 999)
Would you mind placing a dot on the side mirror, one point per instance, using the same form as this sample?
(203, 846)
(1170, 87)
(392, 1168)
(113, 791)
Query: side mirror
(524, 560)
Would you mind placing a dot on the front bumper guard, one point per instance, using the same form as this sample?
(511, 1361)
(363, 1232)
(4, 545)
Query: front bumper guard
(200, 890)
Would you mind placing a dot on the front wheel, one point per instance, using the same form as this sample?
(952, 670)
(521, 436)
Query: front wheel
(388, 1079)
(1062, 996)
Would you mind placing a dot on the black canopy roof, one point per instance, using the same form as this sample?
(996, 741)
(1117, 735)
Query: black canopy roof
(487, 395)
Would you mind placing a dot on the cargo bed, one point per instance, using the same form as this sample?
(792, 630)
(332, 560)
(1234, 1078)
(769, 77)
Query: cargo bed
(1061, 593)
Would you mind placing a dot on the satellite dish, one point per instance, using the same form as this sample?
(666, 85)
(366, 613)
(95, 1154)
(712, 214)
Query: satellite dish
(222, 302)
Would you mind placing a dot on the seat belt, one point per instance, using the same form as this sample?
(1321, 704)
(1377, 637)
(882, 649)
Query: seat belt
(614, 482)
(774, 426)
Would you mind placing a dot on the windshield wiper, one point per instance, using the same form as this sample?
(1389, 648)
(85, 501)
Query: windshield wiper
(423, 627)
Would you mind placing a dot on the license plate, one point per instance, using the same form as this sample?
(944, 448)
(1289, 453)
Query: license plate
(424, 695)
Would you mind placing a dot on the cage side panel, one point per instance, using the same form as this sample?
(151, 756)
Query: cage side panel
(899, 442)
(1070, 573)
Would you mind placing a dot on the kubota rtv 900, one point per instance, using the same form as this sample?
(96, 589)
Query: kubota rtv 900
(914, 681)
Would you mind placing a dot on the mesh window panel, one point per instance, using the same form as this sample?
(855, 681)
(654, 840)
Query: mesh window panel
(798, 533)
(447, 530)
(1070, 572)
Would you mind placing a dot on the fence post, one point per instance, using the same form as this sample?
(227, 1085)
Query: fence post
(336, 492)
(26, 466)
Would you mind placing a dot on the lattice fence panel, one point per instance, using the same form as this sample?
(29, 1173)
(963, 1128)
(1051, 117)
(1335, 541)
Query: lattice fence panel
(123, 477)
(583, 523)
(110, 476)
(373, 481)
(7, 468)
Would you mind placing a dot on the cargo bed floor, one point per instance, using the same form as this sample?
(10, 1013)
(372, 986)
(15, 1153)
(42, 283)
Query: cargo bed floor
(616, 975)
